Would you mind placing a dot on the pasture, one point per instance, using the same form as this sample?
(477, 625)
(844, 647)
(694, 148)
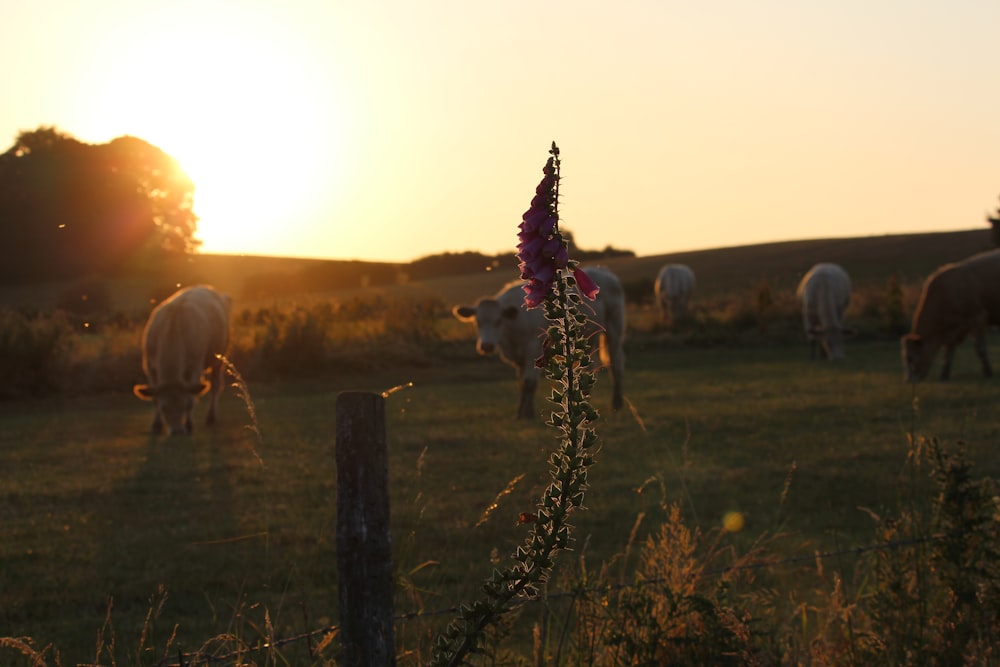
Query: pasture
(228, 531)
(123, 548)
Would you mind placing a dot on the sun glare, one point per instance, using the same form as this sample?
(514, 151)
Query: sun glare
(249, 114)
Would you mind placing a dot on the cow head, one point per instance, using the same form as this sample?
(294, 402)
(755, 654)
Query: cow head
(917, 357)
(490, 319)
(173, 405)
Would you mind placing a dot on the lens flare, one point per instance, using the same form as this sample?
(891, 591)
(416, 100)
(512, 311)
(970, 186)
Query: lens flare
(733, 522)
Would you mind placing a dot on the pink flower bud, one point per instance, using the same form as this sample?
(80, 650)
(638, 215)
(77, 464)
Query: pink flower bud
(587, 287)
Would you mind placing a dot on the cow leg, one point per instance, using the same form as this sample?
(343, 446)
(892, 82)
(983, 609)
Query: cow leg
(617, 398)
(526, 409)
(612, 354)
(157, 428)
(949, 354)
(617, 377)
(215, 377)
(979, 342)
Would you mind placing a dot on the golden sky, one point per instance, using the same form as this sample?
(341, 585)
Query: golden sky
(393, 130)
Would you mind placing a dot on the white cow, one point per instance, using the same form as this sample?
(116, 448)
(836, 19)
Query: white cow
(673, 288)
(503, 324)
(825, 293)
(181, 342)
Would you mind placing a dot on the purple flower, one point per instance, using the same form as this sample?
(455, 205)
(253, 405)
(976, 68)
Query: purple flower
(541, 252)
(535, 292)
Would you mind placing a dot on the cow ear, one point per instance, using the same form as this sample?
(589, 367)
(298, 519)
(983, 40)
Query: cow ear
(464, 313)
(510, 312)
(143, 391)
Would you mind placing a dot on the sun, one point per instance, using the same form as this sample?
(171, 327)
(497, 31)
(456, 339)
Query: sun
(246, 112)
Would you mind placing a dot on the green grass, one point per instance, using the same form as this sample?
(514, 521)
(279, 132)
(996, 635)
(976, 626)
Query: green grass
(233, 525)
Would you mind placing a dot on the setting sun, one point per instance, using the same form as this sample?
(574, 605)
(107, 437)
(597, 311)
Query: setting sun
(249, 116)
(390, 131)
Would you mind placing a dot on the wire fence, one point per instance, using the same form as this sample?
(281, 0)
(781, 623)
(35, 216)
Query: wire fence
(202, 657)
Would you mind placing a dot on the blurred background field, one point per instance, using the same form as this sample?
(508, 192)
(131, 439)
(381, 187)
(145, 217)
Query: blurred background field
(317, 316)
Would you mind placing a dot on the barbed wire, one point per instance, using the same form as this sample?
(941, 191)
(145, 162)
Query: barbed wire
(201, 657)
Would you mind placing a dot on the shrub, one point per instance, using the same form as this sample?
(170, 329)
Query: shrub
(895, 321)
(33, 350)
(929, 592)
(85, 297)
(940, 598)
(107, 358)
(415, 320)
(296, 343)
(639, 291)
(325, 336)
(674, 613)
(763, 303)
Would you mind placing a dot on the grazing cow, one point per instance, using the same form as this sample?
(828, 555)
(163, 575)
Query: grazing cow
(182, 340)
(825, 292)
(956, 300)
(503, 324)
(673, 288)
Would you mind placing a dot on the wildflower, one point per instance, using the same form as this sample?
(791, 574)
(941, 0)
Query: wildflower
(565, 357)
(542, 252)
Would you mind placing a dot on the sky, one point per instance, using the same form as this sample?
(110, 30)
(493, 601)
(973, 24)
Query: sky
(387, 130)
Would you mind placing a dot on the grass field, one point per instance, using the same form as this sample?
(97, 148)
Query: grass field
(231, 524)
(231, 532)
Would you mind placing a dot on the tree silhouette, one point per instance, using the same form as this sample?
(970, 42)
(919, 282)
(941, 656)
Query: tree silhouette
(995, 224)
(69, 209)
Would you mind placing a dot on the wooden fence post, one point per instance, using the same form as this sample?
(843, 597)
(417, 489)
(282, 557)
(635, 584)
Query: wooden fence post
(364, 547)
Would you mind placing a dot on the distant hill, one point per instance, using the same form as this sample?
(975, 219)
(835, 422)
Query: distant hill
(911, 257)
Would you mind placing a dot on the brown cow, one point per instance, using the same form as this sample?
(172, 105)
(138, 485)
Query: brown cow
(183, 339)
(957, 300)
